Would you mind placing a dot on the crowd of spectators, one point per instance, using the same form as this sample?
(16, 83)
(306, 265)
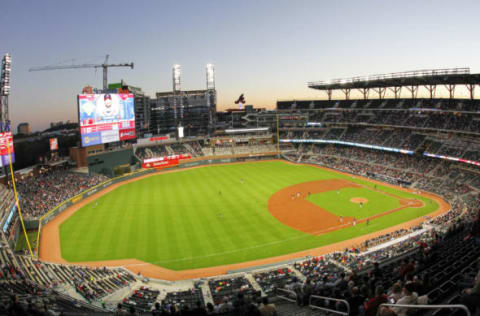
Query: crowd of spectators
(417, 278)
(151, 152)
(226, 289)
(407, 283)
(401, 117)
(41, 192)
(393, 104)
(446, 178)
(142, 299)
(186, 301)
(270, 280)
(364, 278)
(466, 147)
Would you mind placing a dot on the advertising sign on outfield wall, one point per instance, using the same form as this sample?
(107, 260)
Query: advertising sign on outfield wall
(160, 164)
(165, 161)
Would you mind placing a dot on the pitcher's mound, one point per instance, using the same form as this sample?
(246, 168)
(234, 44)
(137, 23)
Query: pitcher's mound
(358, 200)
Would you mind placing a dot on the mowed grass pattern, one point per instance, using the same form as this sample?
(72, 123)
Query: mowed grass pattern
(338, 202)
(205, 217)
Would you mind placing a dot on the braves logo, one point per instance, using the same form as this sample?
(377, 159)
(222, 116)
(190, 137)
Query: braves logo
(240, 100)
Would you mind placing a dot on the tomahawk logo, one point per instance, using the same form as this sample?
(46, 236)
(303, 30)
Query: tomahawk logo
(240, 101)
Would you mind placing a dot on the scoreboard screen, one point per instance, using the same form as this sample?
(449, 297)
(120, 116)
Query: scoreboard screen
(106, 118)
(6, 139)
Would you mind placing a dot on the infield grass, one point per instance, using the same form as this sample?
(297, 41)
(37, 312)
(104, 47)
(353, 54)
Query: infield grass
(338, 202)
(206, 217)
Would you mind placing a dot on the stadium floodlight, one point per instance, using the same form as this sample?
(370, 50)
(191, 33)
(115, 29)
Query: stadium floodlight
(176, 76)
(210, 77)
(5, 79)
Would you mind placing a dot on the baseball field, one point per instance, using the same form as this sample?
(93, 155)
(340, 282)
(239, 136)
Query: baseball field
(228, 214)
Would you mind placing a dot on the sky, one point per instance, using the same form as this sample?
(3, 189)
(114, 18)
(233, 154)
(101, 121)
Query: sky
(267, 49)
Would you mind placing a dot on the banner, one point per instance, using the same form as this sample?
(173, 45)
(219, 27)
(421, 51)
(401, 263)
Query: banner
(172, 157)
(165, 161)
(160, 164)
(53, 144)
(158, 138)
(127, 134)
(6, 139)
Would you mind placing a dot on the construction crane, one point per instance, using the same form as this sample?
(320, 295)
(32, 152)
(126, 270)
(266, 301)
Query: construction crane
(105, 67)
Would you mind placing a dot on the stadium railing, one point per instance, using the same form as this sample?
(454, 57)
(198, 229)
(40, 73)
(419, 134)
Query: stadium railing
(329, 310)
(287, 295)
(453, 306)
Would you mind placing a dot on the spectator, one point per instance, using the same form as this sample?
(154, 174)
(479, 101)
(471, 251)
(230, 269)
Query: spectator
(158, 310)
(199, 309)
(396, 294)
(372, 305)
(306, 292)
(471, 296)
(409, 298)
(210, 309)
(356, 301)
(267, 309)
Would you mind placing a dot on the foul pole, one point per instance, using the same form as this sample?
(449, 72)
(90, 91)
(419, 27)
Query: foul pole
(16, 200)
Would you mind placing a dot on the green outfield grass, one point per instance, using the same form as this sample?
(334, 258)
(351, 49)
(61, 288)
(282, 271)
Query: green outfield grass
(206, 217)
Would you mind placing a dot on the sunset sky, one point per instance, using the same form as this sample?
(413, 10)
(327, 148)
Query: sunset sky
(267, 50)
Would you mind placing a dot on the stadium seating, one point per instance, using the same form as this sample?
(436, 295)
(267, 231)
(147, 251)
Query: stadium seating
(42, 192)
(142, 299)
(184, 299)
(226, 289)
(456, 115)
(270, 280)
(435, 255)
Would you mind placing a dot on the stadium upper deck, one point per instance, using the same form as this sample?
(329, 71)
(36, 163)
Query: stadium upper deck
(411, 80)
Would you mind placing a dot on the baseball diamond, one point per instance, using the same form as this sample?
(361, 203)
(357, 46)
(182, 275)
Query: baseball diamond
(167, 225)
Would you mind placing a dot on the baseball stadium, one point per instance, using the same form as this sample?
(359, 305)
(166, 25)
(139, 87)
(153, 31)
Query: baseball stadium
(324, 191)
(363, 201)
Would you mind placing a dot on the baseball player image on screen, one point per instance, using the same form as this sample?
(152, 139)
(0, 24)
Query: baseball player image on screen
(110, 111)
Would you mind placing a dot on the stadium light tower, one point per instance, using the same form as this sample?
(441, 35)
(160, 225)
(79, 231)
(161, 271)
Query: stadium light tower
(211, 96)
(176, 76)
(210, 77)
(176, 80)
(4, 92)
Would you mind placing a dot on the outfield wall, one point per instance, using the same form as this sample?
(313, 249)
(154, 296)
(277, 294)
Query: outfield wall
(37, 224)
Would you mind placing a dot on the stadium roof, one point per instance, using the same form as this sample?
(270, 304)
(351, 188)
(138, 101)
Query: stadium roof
(454, 76)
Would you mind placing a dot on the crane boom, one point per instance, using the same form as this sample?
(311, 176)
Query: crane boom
(105, 66)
